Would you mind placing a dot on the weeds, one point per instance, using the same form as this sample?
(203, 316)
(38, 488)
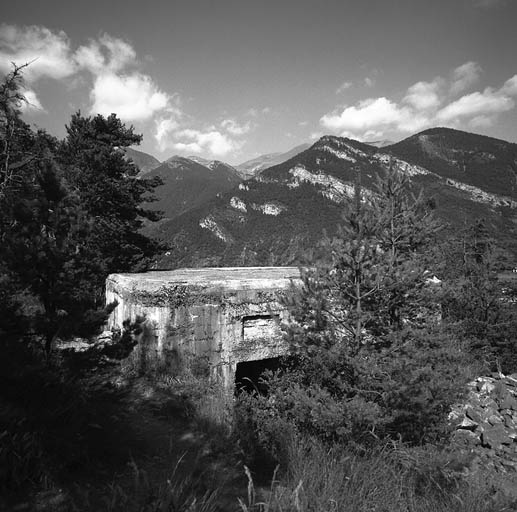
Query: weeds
(393, 479)
(177, 493)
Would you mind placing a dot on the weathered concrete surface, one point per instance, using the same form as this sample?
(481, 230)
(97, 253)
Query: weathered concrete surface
(207, 318)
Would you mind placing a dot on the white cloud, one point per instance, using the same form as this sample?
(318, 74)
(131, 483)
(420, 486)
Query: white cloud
(424, 95)
(464, 76)
(117, 86)
(212, 142)
(106, 54)
(165, 127)
(368, 114)
(369, 82)
(425, 104)
(132, 97)
(343, 87)
(233, 127)
(303, 123)
(476, 104)
(48, 52)
(255, 112)
(510, 86)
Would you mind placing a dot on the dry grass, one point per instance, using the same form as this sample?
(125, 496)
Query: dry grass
(390, 480)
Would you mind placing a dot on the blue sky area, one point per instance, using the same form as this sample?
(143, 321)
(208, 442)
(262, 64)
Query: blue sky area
(233, 79)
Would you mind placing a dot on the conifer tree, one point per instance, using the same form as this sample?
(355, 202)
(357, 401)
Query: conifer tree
(478, 301)
(109, 190)
(370, 357)
(70, 213)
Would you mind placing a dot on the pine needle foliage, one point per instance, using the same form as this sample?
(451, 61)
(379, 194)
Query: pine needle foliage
(371, 358)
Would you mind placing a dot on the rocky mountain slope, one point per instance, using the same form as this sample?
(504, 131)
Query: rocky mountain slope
(188, 184)
(143, 161)
(276, 216)
(484, 162)
(252, 167)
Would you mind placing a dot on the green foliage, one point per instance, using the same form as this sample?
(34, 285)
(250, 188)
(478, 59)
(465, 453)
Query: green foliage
(70, 213)
(371, 358)
(108, 189)
(479, 300)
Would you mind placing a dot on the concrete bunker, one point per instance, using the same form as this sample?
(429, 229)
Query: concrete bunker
(208, 320)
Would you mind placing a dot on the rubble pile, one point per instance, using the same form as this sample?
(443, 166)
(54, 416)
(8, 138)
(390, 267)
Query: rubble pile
(486, 423)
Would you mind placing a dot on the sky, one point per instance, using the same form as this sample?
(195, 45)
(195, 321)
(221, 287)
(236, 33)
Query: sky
(233, 79)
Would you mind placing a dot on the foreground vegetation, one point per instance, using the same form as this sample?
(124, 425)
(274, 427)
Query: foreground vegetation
(355, 419)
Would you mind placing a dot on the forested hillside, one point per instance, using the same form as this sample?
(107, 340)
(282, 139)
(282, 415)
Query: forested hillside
(276, 216)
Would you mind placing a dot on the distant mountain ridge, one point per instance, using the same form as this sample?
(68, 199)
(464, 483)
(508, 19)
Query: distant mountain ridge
(275, 217)
(143, 161)
(379, 143)
(187, 184)
(252, 167)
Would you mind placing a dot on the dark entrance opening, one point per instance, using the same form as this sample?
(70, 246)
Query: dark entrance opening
(248, 373)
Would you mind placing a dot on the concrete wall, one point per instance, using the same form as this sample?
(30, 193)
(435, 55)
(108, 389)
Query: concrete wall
(204, 318)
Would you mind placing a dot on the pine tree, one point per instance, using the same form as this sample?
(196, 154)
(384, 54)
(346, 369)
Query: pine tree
(70, 213)
(477, 301)
(370, 360)
(109, 190)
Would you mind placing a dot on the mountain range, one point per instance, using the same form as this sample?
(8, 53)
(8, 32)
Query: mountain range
(280, 213)
(189, 183)
(252, 167)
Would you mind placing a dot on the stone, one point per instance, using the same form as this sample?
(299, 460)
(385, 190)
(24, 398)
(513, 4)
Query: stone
(509, 465)
(467, 424)
(466, 438)
(512, 432)
(495, 437)
(508, 402)
(495, 419)
(486, 387)
(219, 316)
(474, 415)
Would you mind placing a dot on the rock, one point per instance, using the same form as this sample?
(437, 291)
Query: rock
(474, 415)
(486, 387)
(511, 465)
(467, 424)
(495, 437)
(466, 438)
(512, 434)
(457, 412)
(508, 402)
(495, 419)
